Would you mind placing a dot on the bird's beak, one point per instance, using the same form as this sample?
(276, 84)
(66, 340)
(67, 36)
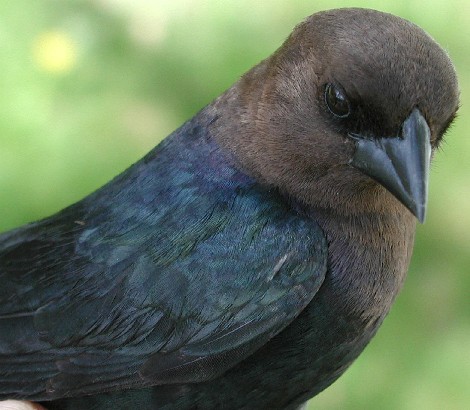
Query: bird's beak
(400, 164)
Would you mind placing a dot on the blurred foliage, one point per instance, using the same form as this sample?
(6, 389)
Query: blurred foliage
(89, 86)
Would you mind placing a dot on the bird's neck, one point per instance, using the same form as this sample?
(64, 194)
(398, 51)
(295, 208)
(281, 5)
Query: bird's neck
(369, 255)
(234, 125)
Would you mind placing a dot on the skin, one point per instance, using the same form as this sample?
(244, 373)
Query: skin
(19, 405)
(275, 126)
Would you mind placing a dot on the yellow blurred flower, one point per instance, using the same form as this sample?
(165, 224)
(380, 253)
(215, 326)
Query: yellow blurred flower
(55, 52)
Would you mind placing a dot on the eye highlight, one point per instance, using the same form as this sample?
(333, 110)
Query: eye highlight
(336, 101)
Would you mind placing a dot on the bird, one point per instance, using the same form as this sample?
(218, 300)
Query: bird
(248, 259)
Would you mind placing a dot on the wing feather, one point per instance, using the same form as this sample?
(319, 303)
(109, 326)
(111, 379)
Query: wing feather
(170, 274)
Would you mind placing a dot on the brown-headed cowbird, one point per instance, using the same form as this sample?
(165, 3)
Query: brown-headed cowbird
(248, 259)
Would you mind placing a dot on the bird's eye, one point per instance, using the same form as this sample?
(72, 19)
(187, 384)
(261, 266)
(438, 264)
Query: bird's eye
(336, 101)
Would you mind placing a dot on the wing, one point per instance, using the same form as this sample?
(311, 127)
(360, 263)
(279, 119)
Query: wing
(172, 273)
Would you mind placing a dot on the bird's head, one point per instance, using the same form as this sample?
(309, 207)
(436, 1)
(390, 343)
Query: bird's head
(353, 102)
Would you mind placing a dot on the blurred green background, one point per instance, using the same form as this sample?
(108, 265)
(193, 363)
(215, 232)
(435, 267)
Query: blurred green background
(88, 87)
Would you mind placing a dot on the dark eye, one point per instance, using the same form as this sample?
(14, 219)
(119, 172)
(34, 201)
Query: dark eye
(336, 101)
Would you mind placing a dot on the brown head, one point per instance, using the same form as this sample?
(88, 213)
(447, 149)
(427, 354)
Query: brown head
(354, 101)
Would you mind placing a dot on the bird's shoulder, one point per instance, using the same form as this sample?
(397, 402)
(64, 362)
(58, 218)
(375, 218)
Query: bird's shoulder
(183, 264)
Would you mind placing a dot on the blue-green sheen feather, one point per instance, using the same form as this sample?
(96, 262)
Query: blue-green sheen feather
(173, 272)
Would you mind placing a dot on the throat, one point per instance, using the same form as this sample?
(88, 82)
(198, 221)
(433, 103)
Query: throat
(368, 257)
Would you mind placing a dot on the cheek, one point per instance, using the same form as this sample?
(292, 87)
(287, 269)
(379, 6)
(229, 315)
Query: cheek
(327, 152)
